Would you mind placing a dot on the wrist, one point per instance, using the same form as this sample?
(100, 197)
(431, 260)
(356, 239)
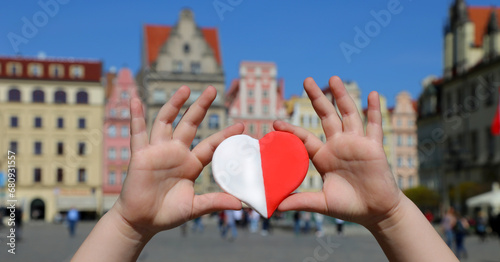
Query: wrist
(391, 219)
(134, 233)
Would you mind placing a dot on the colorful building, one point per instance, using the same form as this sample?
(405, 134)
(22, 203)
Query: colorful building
(256, 98)
(116, 136)
(183, 54)
(51, 111)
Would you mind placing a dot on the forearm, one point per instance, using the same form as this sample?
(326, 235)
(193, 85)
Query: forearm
(408, 236)
(112, 239)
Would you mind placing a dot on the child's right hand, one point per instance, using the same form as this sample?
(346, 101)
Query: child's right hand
(358, 184)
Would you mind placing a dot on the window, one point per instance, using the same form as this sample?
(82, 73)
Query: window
(400, 140)
(251, 128)
(37, 175)
(112, 153)
(76, 71)
(81, 123)
(177, 120)
(195, 67)
(398, 123)
(14, 69)
(60, 122)
(81, 148)
(124, 175)
(177, 66)
(60, 97)
(14, 121)
(60, 148)
(82, 175)
(111, 178)
(124, 153)
(410, 140)
(400, 161)
(250, 109)
(124, 95)
(56, 71)
(410, 162)
(194, 95)
(82, 97)
(35, 70)
(111, 131)
(411, 123)
(14, 95)
(60, 175)
(38, 122)
(187, 49)
(410, 181)
(112, 112)
(38, 148)
(250, 93)
(213, 121)
(266, 109)
(400, 181)
(124, 131)
(265, 128)
(265, 94)
(13, 146)
(38, 96)
(159, 96)
(125, 113)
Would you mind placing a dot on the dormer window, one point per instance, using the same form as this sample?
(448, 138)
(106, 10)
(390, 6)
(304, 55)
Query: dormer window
(195, 67)
(178, 66)
(76, 71)
(35, 70)
(56, 71)
(14, 69)
(187, 49)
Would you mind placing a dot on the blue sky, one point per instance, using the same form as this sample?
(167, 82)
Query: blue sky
(303, 38)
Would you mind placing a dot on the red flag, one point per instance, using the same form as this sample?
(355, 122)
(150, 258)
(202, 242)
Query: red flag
(495, 125)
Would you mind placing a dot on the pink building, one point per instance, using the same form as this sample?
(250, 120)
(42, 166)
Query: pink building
(256, 98)
(116, 137)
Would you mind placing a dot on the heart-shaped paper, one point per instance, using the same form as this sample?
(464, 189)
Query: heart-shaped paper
(261, 173)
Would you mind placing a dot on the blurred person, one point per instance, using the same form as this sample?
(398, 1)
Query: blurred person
(340, 226)
(230, 225)
(318, 220)
(358, 182)
(296, 222)
(430, 217)
(72, 217)
(266, 227)
(307, 222)
(254, 217)
(448, 222)
(222, 221)
(481, 226)
(197, 225)
(238, 217)
(460, 231)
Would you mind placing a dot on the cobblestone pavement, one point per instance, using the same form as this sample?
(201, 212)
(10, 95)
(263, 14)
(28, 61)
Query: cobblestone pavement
(49, 242)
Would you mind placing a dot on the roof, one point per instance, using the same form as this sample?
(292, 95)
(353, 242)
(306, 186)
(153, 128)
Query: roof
(480, 16)
(156, 36)
(92, 68)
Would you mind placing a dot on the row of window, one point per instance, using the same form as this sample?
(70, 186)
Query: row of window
(213, 121)
(37, 175)
(124, 153)
(411, 181)
(265, 93)
(410, 141)
(38, 122)
(38, 96)
(38, 148)
(124, 131)
(265, 109)
(112, 177)
(252, 131)
(410, 162)
(178, 67)
(37, 70)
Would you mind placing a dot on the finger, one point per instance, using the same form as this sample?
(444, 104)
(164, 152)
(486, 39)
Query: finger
(205, 150)
(162, 127)
(350, 115)
(186, 130)
(138, 133)
(324, 108)
(310, 201)
(311, 142)
(212, 202)
(374, 126)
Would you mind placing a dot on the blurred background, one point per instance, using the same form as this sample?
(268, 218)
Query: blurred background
(68, 69)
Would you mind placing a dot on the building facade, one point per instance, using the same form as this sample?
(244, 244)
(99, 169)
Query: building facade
(183, 54)
(116, 136)
(467, 97)
(51, 112)
(256, 98)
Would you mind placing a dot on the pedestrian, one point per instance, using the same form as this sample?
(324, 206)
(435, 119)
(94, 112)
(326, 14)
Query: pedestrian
(72, 217)
(198, 225)
(230, 225)
(447, 224)
(307, 222)
(318, 219)
(340, 226)
(358, 184)
(254, 217)
(222, 222)
(460, 231)
(266, 226)
(481, 226)
(296, 222)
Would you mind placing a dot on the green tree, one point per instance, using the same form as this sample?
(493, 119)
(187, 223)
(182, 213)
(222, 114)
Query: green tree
(423, 197)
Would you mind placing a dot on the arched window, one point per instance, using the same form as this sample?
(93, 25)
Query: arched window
(82, 97)
(14, 95)
(213, 121)
(38, 96)
(60, 97)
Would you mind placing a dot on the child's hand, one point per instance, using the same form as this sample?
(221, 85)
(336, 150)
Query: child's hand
(357, 182)
(158, 193)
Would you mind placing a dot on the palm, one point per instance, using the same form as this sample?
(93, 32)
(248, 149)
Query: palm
(357, 184)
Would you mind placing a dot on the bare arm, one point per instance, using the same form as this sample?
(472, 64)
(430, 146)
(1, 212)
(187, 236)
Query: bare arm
(358, 185)
(158, 193)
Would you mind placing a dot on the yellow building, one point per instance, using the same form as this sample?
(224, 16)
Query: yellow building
(387, 129)
(51, 112)
(304, 115)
